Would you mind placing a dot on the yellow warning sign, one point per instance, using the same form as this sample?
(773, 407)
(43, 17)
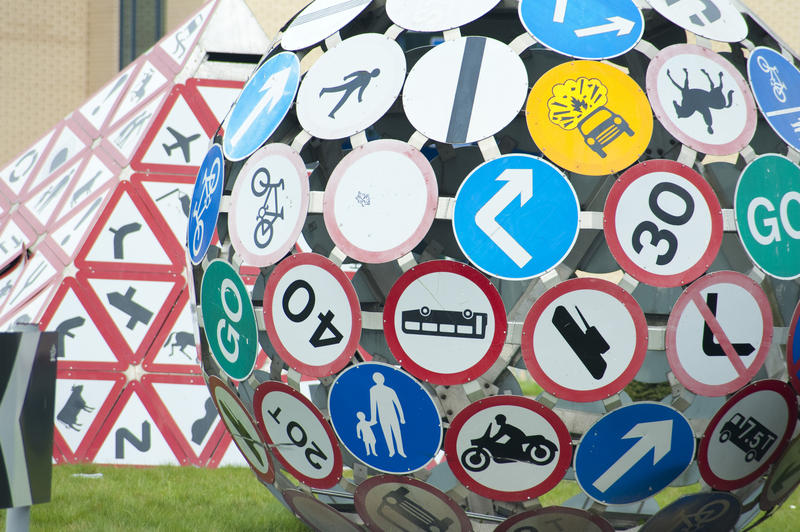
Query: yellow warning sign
(589, 117)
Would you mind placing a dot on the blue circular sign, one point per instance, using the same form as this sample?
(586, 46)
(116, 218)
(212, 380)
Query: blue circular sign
(586, 29)
(262, 105)
(204, 209)
(516, 216)
(776, 86)
(700, 512)
(385, 418)
(633, 453)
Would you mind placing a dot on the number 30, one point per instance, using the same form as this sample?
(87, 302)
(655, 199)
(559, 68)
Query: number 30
(658, 235)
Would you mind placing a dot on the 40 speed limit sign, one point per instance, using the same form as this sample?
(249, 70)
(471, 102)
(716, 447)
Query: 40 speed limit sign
(663, 223)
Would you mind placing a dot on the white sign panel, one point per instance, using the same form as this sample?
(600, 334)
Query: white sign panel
(127, 136)
(65, 147)
(319, 20)
(181, 140)
(16, 174)
(718, 20)
(424, 15)
(147, 81)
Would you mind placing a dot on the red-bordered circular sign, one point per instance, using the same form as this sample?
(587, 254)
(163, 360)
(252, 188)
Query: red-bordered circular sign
(389, 502)
(316, 514)
(508, 447)
(242, 428)
(311, 314)
(584, 339)
(380, 201)
(301, 439)
(445, 322)
(747, 434)
(719, 333)
(566, 519)
(663, 223)
(793, 349)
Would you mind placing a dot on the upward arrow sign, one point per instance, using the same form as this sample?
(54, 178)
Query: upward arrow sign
(273, 87)
(655, 435)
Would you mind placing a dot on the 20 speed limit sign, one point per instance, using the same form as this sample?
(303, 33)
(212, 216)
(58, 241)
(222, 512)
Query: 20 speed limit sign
(663, 223)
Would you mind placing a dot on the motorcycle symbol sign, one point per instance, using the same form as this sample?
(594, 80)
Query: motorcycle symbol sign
(508, 448)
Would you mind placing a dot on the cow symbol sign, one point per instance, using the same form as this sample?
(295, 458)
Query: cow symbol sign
(204, 208)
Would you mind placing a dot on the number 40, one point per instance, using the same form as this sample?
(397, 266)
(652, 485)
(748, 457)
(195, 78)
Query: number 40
(325, 320)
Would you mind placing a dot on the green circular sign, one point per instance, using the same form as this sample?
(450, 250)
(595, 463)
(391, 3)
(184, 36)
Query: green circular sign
(229, 319)
(767, 204)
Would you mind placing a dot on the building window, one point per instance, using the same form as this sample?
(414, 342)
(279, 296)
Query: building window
(141, 24)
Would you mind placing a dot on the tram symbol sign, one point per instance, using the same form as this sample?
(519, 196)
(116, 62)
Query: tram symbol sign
(516, 216)
(312, 314)
(699, 512)
(444, 322)
(584, 28)
(508, 447)
(385, 418)
(301, 439)
(767, 208)
(775, 81)
(584, 339)
(230, 322)
(204, 208)
(263, 103)
(719, 333)
(675, 238)
(747, 434)
(633, 452)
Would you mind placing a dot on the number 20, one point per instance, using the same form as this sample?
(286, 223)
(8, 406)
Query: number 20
(658, 235)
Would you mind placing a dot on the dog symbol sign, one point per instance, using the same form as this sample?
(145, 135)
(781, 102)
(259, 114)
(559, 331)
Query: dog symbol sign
(508, 447)
(204, 207)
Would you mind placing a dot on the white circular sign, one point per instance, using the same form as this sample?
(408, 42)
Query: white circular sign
(319, 20)
(444, 322)
(717, 20)
(351, 86)
(465, 90)
(441, 15)
(318, 515)
(312, 314)
(380, 201)
(269, 204)
(701, 99)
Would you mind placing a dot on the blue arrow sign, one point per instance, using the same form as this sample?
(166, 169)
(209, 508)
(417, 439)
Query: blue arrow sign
(633, 452)
(261, 106)
(586, 29)
(516, 216)
(385, 418)
(699, 512)
(204, 208)
(776, 86)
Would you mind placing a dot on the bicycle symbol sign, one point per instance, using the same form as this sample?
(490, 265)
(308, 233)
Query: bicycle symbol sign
(701, 512)
(775, 81)
(204, 208)
(269, 205)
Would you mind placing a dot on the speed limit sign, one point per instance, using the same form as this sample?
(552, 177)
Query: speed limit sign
(663, 223)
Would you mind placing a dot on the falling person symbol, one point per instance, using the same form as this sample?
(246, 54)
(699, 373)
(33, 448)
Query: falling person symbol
(358, 80)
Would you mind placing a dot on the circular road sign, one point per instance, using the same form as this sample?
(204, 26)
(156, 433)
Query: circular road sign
(242, 428)
(299, 437)
(556, 518)
(312, 314)
(204, 208)
(269, 205)
(774, 80)
(701, 99)
(508, 447)
(444, 322)
(388, 502)
(767, 209)
(589, 117)
(614, 463)
(793, 349)
(319, 20)
(747, 434)
(262, 105)
(516, 216)
(584, 339)
(351, 86)
(784, 477)
(585, 29)
(675, 238)
(318, 515)
(719, 333)
(699, 512)
(229, 320)
(718, 20)
(380, 201)
(385, 418)
(443, 15)
(465, 90)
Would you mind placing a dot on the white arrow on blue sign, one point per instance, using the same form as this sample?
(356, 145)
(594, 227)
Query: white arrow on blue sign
(204, 208)
(776, 86)
(585, 29)
(262, 105)
(633, 452)
(516, 216)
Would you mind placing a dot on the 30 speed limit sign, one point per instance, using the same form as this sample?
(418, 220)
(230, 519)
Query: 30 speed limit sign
(663, 223)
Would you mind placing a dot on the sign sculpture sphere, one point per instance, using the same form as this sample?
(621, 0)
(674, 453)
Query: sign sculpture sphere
(472, 264)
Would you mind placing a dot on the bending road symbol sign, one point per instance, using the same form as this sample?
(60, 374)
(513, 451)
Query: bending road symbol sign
(519, 182)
